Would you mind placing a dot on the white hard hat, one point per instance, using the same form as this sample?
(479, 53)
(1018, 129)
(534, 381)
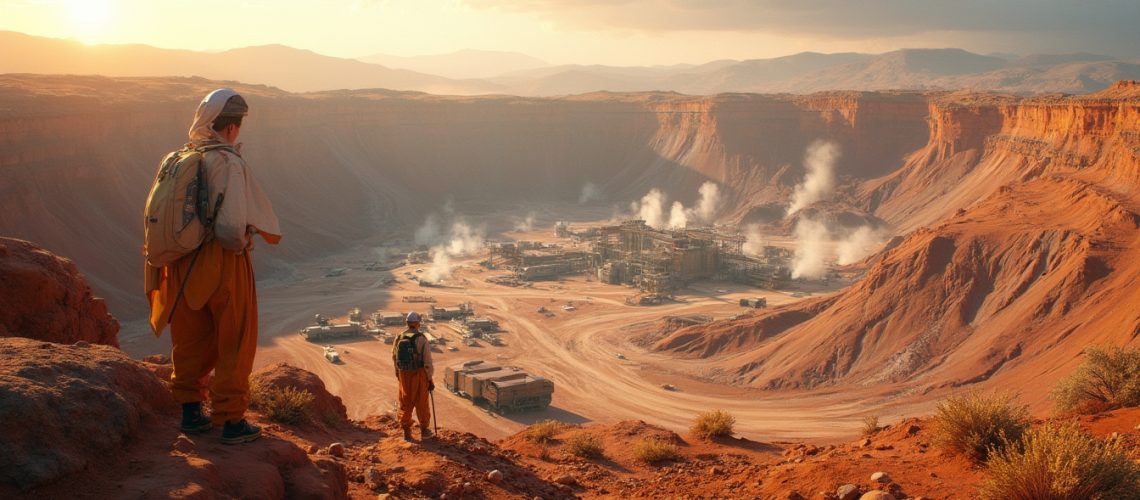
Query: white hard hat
(413, 317)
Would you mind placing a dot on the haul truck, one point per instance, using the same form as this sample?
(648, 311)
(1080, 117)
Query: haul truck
(503, 389)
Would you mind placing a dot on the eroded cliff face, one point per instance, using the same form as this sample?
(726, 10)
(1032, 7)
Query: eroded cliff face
(78, 155)
(1008, 289)
(979, 143)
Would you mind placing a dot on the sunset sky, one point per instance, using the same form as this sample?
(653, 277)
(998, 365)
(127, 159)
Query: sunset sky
(616, 32)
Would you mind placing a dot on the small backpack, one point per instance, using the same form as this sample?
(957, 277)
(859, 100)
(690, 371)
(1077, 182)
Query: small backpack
(407, 356)
(177, 215)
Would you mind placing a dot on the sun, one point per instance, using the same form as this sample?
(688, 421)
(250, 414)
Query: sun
(89, 17)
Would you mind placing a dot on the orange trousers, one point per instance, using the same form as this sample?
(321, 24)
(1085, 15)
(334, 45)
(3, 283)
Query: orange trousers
(221, 336)
(414, 395)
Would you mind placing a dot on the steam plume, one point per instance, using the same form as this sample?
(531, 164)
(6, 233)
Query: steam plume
(811, 249)
(526, 224)
(461, 240)
(590, 192)
(678, 216)
(859, 244)
(819, 161)
(710, 202)
(753, 240)
(651, 209)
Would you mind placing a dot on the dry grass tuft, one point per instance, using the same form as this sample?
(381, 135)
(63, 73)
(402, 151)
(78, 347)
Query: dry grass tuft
(651, 450)
(284, 405)
(871, 425)
(1060, 461)
(975, 424)
(544, 431)
(1108, 379)
(713, 424)
(585, 445)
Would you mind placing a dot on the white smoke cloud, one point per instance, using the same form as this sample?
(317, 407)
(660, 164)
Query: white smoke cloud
(753, 240)
(590, 192)
(429, 232)
(710, 202)
(440, 265)
(678, 216)
(812, 239)
(527, 224)
(651, 209)
(859, 244)
(819, 161)
(462, 240)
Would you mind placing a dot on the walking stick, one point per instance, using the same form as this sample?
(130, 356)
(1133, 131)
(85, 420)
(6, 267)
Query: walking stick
(434, 415)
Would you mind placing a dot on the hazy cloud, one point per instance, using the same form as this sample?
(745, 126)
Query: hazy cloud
(1026, 25)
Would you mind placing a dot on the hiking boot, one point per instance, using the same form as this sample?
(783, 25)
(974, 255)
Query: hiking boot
(193, 420)
(408, 435)
(239, 432)
(426, 433)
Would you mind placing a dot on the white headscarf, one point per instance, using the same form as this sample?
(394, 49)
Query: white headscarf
(208, 110)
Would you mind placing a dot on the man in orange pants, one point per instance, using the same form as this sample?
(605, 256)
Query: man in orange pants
(213, 323)
(412, 360)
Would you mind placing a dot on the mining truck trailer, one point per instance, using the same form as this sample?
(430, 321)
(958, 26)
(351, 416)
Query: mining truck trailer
(502, 389)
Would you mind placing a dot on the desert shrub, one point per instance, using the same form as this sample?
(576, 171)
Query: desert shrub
(285, 405)
(973, 424)
(713, 424)
(651, 450)
(871, 425)
(543, 431)
(1108, 379)
(1060, 461)
(584, 444)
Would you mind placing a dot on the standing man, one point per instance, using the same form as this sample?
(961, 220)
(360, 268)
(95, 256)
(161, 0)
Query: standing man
(213, 320)
(412, 359)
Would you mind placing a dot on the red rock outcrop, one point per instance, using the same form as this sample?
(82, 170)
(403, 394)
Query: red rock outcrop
(65, 408)
(44, 297)
(327, 410)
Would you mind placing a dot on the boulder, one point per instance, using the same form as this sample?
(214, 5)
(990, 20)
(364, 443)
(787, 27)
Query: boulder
(66, 408)
(46, 298)
(327, 409)
(877, 495)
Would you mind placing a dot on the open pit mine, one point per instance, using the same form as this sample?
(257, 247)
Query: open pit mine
(624, 261)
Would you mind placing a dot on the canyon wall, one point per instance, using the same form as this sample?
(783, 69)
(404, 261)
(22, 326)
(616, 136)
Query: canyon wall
(78, 154)
(1027, 260)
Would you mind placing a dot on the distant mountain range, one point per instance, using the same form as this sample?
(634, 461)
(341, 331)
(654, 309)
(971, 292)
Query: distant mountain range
(482, 72)
(463, 64)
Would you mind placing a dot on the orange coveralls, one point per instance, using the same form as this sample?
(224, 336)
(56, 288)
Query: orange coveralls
(414, 387)
(214, 328)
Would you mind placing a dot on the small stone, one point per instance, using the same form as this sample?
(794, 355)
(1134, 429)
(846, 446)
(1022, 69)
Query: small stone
(862, 443)
(373, 476)
(336, 450)
(912, 430)
(183, 444)
(881, 477)
(877, 495)
(566, 479)
(83, 343)
(847, 492)
(715, 471)
(884, 447)
(469, 488)
(933, 474)
(397, 469)
(495, 476)
(383, 496)
(312, 449)
(795, 495)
